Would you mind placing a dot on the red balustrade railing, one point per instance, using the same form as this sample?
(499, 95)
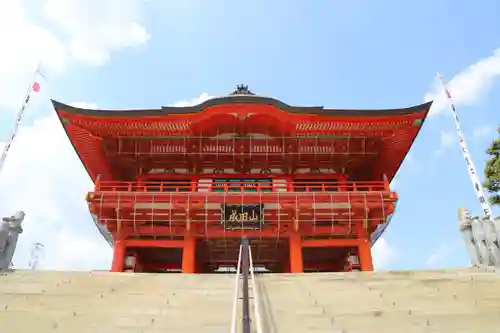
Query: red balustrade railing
(241, 186)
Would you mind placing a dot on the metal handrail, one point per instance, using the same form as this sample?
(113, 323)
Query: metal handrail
(256, 300)
(245, 266)
(234, 314)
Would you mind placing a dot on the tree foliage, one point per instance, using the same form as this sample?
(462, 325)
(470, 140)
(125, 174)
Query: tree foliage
(492, 171)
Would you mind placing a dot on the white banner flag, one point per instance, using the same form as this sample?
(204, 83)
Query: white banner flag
(478, 186)
(33, 88)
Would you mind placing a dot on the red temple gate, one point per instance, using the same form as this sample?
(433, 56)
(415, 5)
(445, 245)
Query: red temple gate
(178, 187)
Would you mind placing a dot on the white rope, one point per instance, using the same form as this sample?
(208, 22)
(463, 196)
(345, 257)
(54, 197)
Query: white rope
(278, 220)
(223, 218)
(117, 211)
(170, 216)
(476, 183)
(261, 218)
(135, 214)
(366, 214)
(314, 212)
(350, 211)
(206, 219)
(153, 216)
(332, 205)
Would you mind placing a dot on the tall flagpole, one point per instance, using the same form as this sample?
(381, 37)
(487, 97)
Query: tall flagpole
(34, 87)
(478, 187)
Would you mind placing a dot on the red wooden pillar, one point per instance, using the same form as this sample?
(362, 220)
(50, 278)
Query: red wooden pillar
(189, 254)
(364, 249)
(296, 261)
(119, 256)
(365, 255)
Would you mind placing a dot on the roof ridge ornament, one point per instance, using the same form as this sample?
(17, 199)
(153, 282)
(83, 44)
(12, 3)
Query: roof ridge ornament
(242, 89)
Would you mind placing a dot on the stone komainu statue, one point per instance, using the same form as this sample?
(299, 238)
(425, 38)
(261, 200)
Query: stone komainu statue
(465, 221)
(10, 228)
(481, 239)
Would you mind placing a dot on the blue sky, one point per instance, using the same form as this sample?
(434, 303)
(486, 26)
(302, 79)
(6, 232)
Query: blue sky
(341, 54)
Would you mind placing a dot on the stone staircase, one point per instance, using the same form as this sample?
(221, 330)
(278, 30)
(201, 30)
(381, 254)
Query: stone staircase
(465, 301)
(102, 302)
(442, 301)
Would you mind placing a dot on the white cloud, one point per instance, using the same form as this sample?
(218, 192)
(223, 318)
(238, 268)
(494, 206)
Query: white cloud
(89, 31)
(447, 140)
(383, 254)
(96, 28)
(23, 45)
(42, 174)
(483, 132)
(468, 86)
(40, 166)
(88, 252)
(194, 101)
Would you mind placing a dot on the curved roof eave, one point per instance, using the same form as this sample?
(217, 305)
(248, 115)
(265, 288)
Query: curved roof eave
(243, 99)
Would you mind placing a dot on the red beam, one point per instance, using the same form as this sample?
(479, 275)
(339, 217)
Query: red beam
(357, 200)
(217, 231)
(214, 217)
(154, 243)
(334, 242)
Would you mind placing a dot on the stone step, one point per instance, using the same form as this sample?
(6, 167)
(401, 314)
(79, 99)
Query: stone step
(15, 322)
(79, 302)
(424, 301)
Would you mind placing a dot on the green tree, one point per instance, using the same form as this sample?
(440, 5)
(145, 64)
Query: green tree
(492, 171)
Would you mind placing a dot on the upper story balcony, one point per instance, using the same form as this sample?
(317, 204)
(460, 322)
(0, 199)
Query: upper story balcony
(234, 186)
